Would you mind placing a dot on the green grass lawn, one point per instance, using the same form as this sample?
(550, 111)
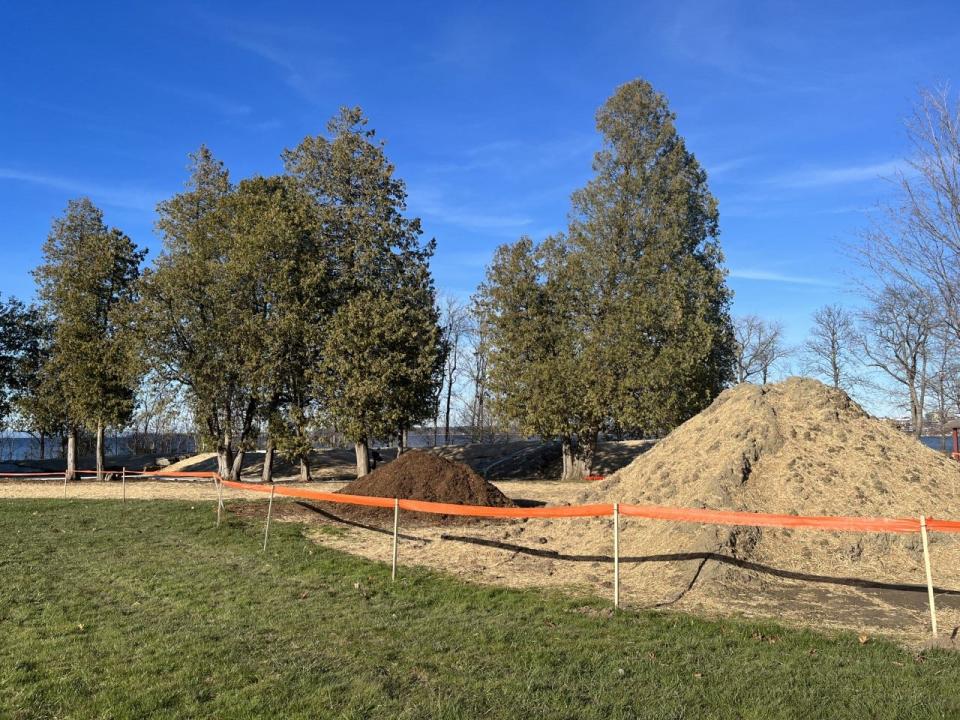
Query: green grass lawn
(149, 611)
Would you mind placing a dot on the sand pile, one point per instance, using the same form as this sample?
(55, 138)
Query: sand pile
(795, 447)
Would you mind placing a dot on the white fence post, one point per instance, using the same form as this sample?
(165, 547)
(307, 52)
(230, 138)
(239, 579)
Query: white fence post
(64, 484)
(219, 483)
(396, 523)
(266, 530)
(616, 555)
(926, 563)
(124, 483)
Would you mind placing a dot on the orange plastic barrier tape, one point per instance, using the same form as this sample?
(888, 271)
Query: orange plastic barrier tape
(734, 517)
(431, 507)
(486, 511)
(653, 512)
(172, 474)
(943, 525)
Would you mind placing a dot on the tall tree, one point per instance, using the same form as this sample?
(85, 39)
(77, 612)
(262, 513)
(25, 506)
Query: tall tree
(455, 323)
(383, 351)
(279, 253)
(898, 332)
(196, 308)
(633, 298)
(831, 348)
(87, 285)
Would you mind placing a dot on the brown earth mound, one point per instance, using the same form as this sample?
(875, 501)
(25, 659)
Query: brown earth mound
(795, 447)
(418, 475)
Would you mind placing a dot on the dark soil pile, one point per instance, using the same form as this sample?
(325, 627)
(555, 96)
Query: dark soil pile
(417, 475)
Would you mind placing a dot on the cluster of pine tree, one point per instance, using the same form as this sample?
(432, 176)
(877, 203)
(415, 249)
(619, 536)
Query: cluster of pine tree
(289, 303)
(622, 323)
(305, 300)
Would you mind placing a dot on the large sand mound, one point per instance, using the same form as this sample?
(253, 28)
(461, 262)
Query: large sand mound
(795, 447)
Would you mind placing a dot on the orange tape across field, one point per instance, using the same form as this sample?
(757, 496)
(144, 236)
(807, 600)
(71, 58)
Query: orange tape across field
(652, 512)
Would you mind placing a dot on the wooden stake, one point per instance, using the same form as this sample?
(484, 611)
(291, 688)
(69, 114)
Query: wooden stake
(396, 523)
(219, 483)
(616, 555)
(926, 563)
(64, 485)
(124, 481)
(266, 530)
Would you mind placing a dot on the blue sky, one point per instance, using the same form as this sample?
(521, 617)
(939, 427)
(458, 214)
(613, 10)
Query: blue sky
(795, 109)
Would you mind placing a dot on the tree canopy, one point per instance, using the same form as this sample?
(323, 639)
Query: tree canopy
(623, 321)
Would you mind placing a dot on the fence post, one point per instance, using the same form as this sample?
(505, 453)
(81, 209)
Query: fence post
(64, 484)
(396, 523)
(219, 483)
(926, 563)
(266, 530)
(124, 483)
(616, 555)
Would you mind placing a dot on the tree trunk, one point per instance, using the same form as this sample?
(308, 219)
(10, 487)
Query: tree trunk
(237, 466)
(267, 475)
(587, 451)
(225, 456)
(304, 469)
(567, 448)
(100, 451)
(43, 438)
(446, 417)
(71, 472)
(363, 457)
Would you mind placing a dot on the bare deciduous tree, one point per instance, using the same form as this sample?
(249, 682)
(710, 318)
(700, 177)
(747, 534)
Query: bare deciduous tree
(759, 346)
(830, 351)
(915, 242)
(455, 322)
(943, 371)
(898, 327)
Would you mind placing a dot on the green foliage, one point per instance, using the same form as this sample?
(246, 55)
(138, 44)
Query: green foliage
(197, 308)
(86, 285)
(279, 253)
(383, 352)
(24, 348)
(622, 323)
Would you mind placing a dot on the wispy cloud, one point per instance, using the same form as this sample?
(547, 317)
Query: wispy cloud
(121, 197)
(217, 103)
(843, 175)
(726, 166)
(432, 204)
(292, 50)
(777, 277)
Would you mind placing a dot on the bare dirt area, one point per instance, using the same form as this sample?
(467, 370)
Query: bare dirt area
(793, 448)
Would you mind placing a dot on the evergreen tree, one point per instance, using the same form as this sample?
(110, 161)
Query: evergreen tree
(195, 312)
(635, 311)
(87, 285)
(383, 350)
(279, 253)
